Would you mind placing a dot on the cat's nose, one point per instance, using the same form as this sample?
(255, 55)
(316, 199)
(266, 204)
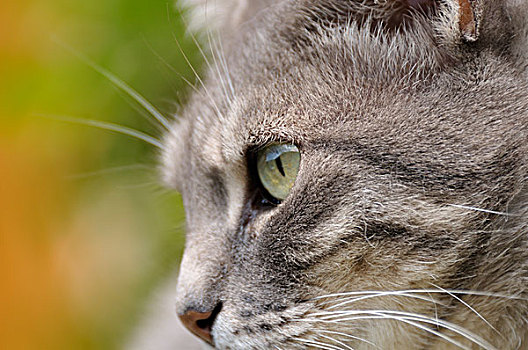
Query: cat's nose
(201, 323)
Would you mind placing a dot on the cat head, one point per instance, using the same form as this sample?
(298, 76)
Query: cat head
(354, 173)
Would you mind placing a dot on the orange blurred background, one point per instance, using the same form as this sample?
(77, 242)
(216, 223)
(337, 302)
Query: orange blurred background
(85, 231)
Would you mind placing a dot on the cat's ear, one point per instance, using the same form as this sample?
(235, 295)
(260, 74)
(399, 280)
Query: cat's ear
(502, 24)
(455, 19)
(459, 19)
(452, 19)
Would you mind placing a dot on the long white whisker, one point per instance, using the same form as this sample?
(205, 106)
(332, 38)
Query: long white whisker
(334, 316)
(143, 184)
(219, 114)
(224, 64)
(317, 344)
(217, 68)
(120, 84)
(470, 308)
(200, 81)
(220, 74)
(193, 37)
(480, 209)
(171, 68)
(314, 320)
(108, 126)
(385, 317)
(137, 108)
(348, 336)
(356, 299)
(109, 171)
(411, 291)
(435, 306)
(205, 57)
(336, 341)
(434, 332)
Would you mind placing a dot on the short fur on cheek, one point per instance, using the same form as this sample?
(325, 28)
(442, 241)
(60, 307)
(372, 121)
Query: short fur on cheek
(406, 226)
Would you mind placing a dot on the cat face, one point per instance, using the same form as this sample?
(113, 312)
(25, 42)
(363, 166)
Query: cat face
(405, 224)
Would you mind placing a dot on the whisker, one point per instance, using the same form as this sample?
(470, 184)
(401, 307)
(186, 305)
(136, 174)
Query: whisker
(410, 291)
(193, 38)
(409, 295)
(384, 317)
(108, 126)
(336, 341)
(214, 105)
(348, 336)
(315, 320)
(207, 61)
(145, 184)
(401, 315)
(109, 171)
(220, 74)
(120, 84)
(434, 332)
(317, 344)
(470, 308)
(435, 306)
(171, 68)
(480, 209)
(224, 64)
(138, 109)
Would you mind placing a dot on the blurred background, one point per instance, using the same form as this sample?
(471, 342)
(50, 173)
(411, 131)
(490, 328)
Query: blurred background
(86, 232)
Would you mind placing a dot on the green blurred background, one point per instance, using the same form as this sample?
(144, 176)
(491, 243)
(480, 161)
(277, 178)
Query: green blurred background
(86, 231)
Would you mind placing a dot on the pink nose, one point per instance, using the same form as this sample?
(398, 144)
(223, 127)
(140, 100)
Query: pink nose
(200, 323)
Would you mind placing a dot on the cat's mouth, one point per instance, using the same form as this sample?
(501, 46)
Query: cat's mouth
(241, 327)
(334, 322)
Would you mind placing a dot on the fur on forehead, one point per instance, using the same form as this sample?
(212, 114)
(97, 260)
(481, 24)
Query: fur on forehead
(228, 139)
(220, 141)
(452, 20)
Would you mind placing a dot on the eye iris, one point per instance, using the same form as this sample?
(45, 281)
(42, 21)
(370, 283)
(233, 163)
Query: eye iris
(277, 167)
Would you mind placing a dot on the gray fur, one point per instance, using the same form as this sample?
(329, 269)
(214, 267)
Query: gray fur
(404, 126)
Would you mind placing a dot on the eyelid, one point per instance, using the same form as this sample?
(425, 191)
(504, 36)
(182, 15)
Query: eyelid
(276, 153)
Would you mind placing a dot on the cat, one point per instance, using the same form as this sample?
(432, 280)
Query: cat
(354, 174)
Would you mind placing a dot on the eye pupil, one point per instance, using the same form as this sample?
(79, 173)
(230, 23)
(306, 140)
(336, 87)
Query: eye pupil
(279, 166)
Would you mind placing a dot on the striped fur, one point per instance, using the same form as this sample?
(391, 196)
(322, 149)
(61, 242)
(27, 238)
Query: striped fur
(407, 226)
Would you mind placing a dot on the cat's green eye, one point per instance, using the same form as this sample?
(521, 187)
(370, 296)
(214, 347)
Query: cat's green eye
(277, 167)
